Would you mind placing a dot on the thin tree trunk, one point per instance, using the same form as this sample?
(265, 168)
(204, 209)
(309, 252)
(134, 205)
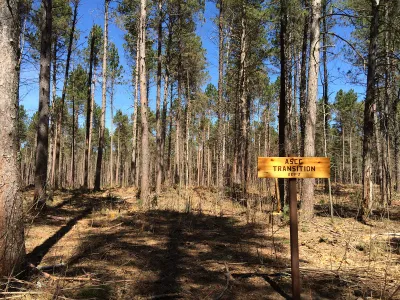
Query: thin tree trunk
(117, 169)
(386, 176)
(89, 113)
(208, 157)
(52, 116)
(164, 124)
(243, 104)
(187, 133)
(144, 184)
(97, 180)
(220, 179)
(44, 99)
(343, 155)
(283, 122)
(134, 160)
(112, 134)
(351, 158)
(303, 79)
(325, 89)
(309, 142)
(159, 158)
(91, 129)
(170, 138)
(396, 144)
(73, 141)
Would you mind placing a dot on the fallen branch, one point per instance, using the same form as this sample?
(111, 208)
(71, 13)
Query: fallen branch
(56, 278)
(119, 224)
(43, 268)
(394, 293)
(228, 279)
(164, 296)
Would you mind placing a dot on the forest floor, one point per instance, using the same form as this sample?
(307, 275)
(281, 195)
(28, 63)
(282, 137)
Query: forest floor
(196, 246)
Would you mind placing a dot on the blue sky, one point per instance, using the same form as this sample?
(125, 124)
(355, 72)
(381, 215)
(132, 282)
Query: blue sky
(91, 12)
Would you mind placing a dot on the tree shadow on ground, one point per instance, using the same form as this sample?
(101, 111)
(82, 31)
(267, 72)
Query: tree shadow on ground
(65, 215)
(163, 254)
(177, 255)
(172, 255)
(339, 210)
(347, 210)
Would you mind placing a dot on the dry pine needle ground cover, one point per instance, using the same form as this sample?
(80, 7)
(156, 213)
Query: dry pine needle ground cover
(195, 245)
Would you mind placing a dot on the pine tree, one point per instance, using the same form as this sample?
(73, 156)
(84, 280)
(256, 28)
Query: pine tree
(44, 100)
(12, 244)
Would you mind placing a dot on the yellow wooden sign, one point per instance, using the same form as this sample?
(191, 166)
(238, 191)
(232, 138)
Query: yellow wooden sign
(294, 167)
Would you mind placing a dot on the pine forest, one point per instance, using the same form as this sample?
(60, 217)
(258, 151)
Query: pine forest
(161, 149)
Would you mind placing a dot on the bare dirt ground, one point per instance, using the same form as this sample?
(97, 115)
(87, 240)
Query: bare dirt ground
(194, 245)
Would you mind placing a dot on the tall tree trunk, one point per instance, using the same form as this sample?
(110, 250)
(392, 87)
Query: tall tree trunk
(144, 184)
(91, 130)
(97, 180)
(134, 160)
(187, 133)
(243, 103)
(386, 176)
(396, 143)
(368, 129)
(73, 140)
(52, 115)
(164, 124)
(303, 78)
(44, 99)
(309, 141)
(343, 155)
(325, 85)
(112, 134)
(12, 245)
(208, 157)
(220, 178)
(117, 169)
(283, 117)
(89, 114)
(159, 158)
(170, 136)
(351, 157)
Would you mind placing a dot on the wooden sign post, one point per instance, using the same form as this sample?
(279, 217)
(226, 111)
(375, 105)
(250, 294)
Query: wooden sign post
(292, 168)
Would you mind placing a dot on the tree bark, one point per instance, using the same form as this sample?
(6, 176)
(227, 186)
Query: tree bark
(220, 180)
(144, 184)
(325, 86)
(243, 104)
(12, 244)
(44, 100)
(303, 79)
(134, 159)
(396, 144)
(170, 137)
(89, 114)
(97, 181)
(53, 104)
(187, 129)
(368, 129)
(309, 136)
(283, 122)
(74, 120)
(159, 158)
(112, 134)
